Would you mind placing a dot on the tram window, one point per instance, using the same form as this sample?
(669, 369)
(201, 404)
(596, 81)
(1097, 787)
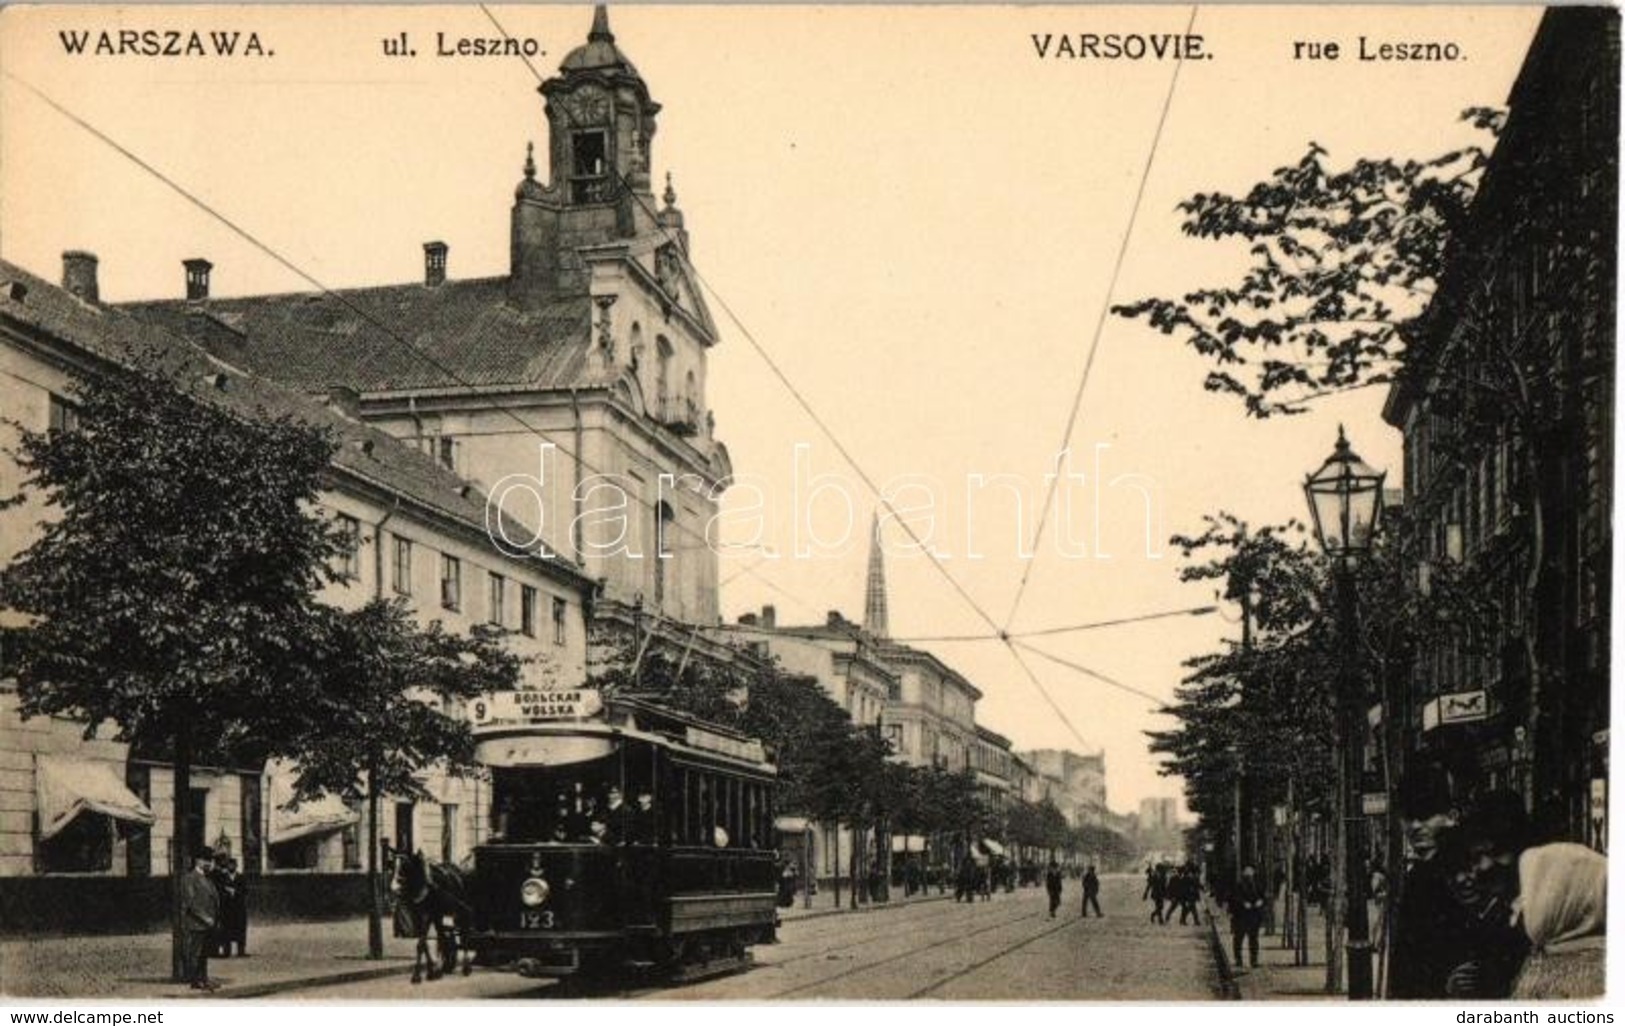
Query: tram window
(733, 822)
(555, 803)
(753, 815)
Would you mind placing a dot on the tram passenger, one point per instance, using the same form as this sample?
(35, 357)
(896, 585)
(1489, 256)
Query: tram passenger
(643, 819)
(613, 818)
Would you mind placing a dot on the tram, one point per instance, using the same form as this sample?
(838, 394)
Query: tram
(623, 836)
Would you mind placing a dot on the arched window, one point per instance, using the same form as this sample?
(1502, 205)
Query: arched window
(663, 408)
(691, 400)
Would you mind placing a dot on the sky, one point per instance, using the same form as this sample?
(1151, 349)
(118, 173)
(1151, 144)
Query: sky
(908, 210)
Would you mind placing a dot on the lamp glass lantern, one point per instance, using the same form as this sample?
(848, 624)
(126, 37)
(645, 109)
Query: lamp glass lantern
(1345, 501)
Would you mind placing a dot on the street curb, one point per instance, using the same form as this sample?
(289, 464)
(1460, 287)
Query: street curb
(1229, 989)
(871, 907)
(254, 990)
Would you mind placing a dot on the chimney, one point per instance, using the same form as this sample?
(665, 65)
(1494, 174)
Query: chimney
(770, 617)
(79, 275)
(434, 263)
(834, 618)
(197, 278)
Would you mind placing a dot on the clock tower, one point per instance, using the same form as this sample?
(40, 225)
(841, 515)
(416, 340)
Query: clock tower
(601, 122)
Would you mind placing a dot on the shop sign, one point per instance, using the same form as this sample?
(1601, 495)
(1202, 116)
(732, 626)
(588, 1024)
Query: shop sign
(1374, 804)
(1461, 707)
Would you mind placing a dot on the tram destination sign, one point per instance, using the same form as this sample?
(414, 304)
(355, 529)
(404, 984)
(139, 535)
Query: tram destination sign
(535, 705)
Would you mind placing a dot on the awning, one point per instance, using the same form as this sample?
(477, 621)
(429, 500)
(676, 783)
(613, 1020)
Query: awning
(318, 816)
(67, 787)
(792, 824)
(992, 847)
(911, 842)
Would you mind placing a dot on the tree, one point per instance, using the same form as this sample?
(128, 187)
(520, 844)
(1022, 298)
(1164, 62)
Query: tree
(173, 597)
(387, 707)
(1343, 265)
(1352, 271)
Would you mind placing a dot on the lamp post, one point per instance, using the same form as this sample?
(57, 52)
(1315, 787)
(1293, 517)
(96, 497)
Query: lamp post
(1345, 500)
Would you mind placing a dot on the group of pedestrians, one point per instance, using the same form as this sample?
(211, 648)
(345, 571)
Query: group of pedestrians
(1091, 890)
(1168, 888)
(1485, 912)
(214, 915)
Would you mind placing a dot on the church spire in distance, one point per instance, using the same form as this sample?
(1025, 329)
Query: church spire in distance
(874, 599)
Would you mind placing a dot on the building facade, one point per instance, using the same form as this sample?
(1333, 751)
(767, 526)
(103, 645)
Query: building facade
(1507, 410)
(80, 815)
(573, 388)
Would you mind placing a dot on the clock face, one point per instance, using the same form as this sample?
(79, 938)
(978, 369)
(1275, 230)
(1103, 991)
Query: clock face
(587, 108)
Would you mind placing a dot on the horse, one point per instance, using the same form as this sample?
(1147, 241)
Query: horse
(426, 893)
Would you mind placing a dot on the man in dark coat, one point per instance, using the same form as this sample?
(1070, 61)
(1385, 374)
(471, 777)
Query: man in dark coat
(1052, 884)
(1190, 892)
(1091, 893)
(1156, 889)
(200, 917)
(1246, 915)
(233, 890)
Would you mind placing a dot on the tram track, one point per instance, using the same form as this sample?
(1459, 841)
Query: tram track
(952, 938)
(1005, 953)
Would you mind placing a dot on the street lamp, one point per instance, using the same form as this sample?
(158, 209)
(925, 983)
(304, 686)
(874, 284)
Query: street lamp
(1345, 501)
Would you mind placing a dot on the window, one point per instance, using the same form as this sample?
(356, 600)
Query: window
(664, 407)
(560, 607)
(350, 558)
(85, 845)
(446, 452)
(589, 181)
(496, 610)
(448, 833)
(403, 566)
(405, 840)
(451, 582)
(64, 415)
(664, 521)
(527, 610)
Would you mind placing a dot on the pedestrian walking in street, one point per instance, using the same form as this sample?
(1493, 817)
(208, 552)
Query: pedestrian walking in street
(1156, 891)
(1190, 892)
(1052, 884)
(1091, 893)
(965, 880)
(200, 917)
(1246, 915)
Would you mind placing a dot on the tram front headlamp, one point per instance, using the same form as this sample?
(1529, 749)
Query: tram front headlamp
(533, 892)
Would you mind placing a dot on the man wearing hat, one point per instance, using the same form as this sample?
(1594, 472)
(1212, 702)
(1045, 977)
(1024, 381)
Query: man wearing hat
(200, 916)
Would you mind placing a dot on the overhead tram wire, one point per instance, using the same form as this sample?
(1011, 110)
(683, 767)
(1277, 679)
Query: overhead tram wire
(389, 333)
(528, 428)
(1086, 671)
(1100, 326)
(1070, 629)
(1001, 634)
(820, 633)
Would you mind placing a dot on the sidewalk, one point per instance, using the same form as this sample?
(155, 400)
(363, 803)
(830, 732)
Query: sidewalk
(823, 903)
(1276, 978)
(283, 957)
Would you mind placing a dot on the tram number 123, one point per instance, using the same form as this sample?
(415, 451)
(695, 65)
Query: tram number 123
(538, 920)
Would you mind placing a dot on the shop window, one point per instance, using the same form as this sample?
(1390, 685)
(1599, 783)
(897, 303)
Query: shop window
(85, 845)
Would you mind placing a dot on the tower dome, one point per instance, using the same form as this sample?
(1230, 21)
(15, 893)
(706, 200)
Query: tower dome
(599, 52)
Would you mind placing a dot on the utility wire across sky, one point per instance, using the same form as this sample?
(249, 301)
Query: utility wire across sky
(1002, 635)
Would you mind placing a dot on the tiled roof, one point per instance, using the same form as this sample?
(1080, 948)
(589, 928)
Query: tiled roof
(395, 337)
(110, 335)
